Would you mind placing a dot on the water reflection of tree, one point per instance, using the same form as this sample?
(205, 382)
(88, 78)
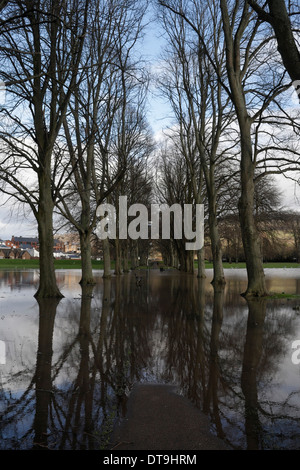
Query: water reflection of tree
(270, 423)
(223, 355)
(211, 395)
(110, 358)
(226, 364)
(19, 279)
(43, 376)
(81, 388)
(186, 331)
(36, 398)
(194, 337)
(252, 356)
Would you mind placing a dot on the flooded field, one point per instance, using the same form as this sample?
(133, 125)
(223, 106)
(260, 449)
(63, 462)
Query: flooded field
(67, 368)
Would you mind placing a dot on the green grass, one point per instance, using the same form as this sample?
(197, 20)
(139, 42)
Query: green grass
(76, 264)
(18, 263)
(266, 265)
(283, 295)
(281, 265)
(34, 264)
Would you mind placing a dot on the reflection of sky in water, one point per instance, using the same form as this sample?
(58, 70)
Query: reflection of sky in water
(153, 323)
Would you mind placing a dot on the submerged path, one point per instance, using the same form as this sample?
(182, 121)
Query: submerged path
(159, 419)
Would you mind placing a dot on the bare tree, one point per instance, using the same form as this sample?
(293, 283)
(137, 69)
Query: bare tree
(40, 56)
(250, 54)
(174, 187)
(202, 109)
(278, 17)
(3, 4)
(97, 129)
(243, 44)
(136, 183)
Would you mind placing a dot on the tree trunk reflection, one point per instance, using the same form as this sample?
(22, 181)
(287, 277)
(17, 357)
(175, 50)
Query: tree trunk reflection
(214, 373)
(43, 378)
(251, 360)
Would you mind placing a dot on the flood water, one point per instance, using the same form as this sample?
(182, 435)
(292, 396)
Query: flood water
(67, 368)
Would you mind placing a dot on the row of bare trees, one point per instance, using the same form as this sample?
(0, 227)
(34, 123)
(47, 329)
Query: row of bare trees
(41, 49)
(73, 129)
(227, 85)
(73, 120)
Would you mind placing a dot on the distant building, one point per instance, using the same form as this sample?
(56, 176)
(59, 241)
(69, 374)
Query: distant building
(29, 243)
(24, 242)
(25, 255)
(4, 252)
(58, 245)
(33, 253)
(14, 253)
(70, 242)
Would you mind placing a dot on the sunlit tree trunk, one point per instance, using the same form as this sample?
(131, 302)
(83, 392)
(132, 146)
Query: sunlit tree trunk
(251, 242)
(256, 279)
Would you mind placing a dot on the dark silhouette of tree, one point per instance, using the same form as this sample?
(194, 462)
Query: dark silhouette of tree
(279, 18)
(40, 54)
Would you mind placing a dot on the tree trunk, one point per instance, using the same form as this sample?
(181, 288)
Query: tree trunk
(143, 259)
(216, 248)
(106, 259)
(279, 19)
(176, 258)
(256, 278)
(187, 261)
(201, 264)
(118, 268)
(48, 287)
(86, 259)
(190, 255)
(171, 256)
(287, 45)
(125, 257)
(133, 254)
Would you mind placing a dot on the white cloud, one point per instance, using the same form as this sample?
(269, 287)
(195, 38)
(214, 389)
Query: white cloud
(17, 225)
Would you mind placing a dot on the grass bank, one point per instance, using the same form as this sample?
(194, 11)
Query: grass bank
(76, 264)
(266, 265)
(283, 295)
(34, 264)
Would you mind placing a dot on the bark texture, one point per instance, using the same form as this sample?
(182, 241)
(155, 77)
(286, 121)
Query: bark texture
(48, 286)
(256, 279)
(87, 277)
